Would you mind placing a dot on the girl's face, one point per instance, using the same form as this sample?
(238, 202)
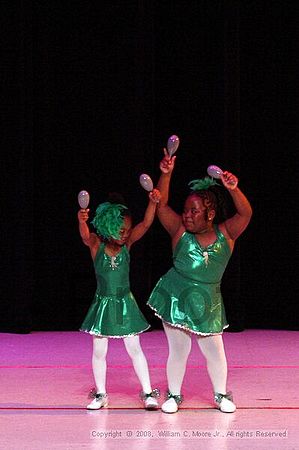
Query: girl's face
(195, 214)
(125, 231)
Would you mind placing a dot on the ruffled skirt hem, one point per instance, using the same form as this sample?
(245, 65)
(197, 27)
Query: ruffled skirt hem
(182, 327)
(94, 333)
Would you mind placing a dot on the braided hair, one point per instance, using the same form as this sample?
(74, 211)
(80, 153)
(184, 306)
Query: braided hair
(212, 196)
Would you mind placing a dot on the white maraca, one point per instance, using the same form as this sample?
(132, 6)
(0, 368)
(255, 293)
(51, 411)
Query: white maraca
(83, 199)
(172, 144)
(214, 171)
(146, 182)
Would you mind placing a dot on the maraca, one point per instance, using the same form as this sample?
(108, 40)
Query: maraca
(172, 144)
(83, 199)
(146, 182)
(214, 171)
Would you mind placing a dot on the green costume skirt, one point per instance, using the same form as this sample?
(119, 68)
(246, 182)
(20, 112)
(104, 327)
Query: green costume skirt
(114, 317)
(194, 306)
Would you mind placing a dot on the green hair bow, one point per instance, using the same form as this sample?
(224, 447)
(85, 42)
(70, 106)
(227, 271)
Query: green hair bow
(202, 184)
(109, 219)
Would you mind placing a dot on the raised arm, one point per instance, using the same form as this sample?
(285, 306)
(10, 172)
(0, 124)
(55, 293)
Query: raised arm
(141, 228)
(170, 220)
(235, 225)
(88, 238)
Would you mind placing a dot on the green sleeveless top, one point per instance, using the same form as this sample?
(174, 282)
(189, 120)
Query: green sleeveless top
(188, 296)
(114, 311)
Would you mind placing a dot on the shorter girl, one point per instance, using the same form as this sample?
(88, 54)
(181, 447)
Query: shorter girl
(114, 312)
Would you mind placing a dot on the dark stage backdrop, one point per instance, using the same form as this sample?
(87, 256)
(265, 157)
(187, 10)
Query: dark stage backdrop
(90, 93)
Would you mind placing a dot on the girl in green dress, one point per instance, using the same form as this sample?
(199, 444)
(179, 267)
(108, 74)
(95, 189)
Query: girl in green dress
(188, 297)
(114, 312)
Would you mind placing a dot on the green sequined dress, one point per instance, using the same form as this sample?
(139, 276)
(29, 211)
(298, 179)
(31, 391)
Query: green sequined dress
(114, 311)
(188, 296)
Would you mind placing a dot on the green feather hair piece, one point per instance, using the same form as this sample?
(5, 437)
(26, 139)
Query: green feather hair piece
(109, 219)
(202, 184)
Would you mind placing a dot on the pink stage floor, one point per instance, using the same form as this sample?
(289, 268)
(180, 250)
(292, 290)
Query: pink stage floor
(46, 376)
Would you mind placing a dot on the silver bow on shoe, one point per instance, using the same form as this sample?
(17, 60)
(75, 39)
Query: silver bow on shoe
(150, 400)
(171, 405)
(100, 400)
(225, 402)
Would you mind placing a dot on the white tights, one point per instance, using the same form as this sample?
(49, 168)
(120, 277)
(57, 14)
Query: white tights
(133, 347)
(179, 343)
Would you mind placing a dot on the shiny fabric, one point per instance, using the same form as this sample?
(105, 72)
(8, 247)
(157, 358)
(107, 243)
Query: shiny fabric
(114, 311)
(188, 296)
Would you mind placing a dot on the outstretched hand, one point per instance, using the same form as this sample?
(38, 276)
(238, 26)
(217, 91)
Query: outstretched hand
(155, 196)
(167, 163)
(229, 180)
(83, 215)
